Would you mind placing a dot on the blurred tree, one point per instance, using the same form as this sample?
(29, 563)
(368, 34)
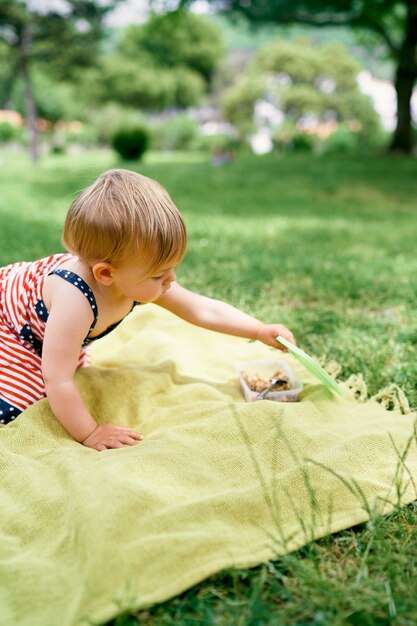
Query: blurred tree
(176, 39)
(139, 82)
(393, 21)
(238, 103)
(62, 33)
(7, 74)
(55, 100)
(301, 81)
(168, 61)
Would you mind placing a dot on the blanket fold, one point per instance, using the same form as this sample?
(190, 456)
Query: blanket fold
(216, 482)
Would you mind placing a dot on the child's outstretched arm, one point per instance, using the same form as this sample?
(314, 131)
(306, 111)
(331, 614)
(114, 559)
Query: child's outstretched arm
(68, 323)
(220, 316)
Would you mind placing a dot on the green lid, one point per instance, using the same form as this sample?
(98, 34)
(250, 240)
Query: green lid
(311, 365)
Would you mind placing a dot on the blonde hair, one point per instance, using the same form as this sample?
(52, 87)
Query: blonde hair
(124, 214)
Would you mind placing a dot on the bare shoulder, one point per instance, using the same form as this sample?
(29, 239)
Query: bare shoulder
(64, 300)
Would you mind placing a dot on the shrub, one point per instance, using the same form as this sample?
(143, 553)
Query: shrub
(238, 103)
(178, 133)
(105, 121)
(373, 140)
(8, 132)
(343, 140)
(289, 138)
(58, 148)
(302, 142)
(131, 142)
(86, 137)
(219, 142)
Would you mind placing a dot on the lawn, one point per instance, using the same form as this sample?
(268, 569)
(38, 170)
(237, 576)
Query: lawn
(327, 247)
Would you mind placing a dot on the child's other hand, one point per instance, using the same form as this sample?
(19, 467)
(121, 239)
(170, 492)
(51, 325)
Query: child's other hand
(268, 332)
(106, 436)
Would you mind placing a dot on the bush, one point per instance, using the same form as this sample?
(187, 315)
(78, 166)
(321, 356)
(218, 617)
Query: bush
(302, 142)
(289, 138)
(86, 137)
(8, 132)
(219, 142)
(343, 140)
(238, 103)
(373, 140)
(104, 122)
(179, 133)
(131, 142)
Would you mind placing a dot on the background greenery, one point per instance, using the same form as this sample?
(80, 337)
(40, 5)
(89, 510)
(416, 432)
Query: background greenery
(324, 245)
(181, 64)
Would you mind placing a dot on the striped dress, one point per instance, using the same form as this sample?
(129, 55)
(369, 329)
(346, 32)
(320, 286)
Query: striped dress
(23, 317)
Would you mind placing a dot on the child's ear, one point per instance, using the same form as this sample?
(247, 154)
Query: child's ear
(103, 273)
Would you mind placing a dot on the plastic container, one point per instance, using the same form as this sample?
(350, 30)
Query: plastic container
(266, 369)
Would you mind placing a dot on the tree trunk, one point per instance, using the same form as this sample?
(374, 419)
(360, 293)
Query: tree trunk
(405, 79)
(403, 136)
(30, 107)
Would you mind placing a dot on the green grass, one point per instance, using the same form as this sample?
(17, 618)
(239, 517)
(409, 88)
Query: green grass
(328, 247)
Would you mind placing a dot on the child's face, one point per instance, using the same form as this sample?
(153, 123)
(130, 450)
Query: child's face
(138, 283)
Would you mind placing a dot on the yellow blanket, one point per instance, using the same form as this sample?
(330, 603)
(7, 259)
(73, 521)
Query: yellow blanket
(217, 482)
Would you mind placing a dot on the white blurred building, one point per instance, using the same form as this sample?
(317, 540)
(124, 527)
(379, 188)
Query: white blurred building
(383, 95)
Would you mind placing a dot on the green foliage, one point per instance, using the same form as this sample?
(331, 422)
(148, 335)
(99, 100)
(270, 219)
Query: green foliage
(299, 100)
(317, 80)
(238, 102)
(345, 139)
(129, 82)
(165, 62)
(378, 18)
(220, 144)
(54, 100)
(8, 66)
(178, 133)
(392, 22)
(9, 132)
(176, 39)
(299, 60)
(301, 80)
(63, 37)
(301, 142)
(189, 87)
(107, 119)
(341, 141)
(288, 138)
(131, 142)
(84, 137)
(137, 82)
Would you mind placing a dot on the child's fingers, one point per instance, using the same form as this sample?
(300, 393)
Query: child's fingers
(136, 435)
(130, 441)
(113, 443)
(109, 436)
(119, 442)
(287, 334)
(282, 348)
(122, 430)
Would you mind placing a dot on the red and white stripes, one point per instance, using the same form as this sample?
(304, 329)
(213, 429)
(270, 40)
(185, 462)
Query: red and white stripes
(21, 284)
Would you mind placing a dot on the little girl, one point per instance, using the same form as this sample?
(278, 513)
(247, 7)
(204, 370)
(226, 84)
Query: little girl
(125, 239)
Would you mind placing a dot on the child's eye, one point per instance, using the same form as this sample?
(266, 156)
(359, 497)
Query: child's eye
(157, 277)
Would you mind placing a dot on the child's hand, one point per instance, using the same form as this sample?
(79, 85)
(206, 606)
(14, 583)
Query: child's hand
(107, 436)
(268, 332)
